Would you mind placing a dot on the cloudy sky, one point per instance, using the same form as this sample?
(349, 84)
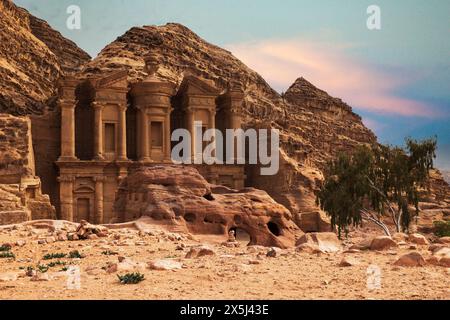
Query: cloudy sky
(396, 78)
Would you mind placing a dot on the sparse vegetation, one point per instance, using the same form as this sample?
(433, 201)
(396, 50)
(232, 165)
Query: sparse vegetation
(131, 278)
(7, 254)
(51, 256)
(442, 228)
(109, 253)
(376, 182)
(5, 247)
(56, 263)
(42, 268)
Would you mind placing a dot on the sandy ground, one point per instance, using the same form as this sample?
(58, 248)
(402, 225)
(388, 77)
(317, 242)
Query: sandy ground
(232, 273)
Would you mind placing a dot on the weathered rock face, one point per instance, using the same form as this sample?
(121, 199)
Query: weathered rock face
(32, 58)
(446, 176)
(314, 126)
(181, 196)
(20, 190)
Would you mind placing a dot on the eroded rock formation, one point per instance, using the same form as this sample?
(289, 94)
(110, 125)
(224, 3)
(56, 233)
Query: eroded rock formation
(32, 58)
(179, 195)
(20, 190)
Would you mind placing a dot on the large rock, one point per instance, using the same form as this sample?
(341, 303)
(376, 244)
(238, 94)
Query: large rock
(325, 242)
(382, 243)
(180, 195)
(418, 239)
(165, 264)
(413, 259)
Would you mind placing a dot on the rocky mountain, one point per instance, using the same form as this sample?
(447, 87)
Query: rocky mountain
(32, 57)
(314, 126)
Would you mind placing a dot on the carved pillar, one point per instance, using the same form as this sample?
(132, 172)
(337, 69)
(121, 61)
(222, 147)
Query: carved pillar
(99, 216)
(145, 152)
(67, 129)
(191, 128)
(167, 145)
(212, 125)
(98, 131)
(66, 197)
(122, 148)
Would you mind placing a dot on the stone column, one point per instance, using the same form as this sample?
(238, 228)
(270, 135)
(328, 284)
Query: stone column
(145, 152)
(122, 148)
(98, 131)
(67, 130)
(212, 125)
(167, 131)
(99, 217)
(66, 197)
(191, 128)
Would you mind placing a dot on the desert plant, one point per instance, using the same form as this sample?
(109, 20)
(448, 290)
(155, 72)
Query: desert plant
(442, 228)
(109, 253)
(7, 254)
(42, 268)
(75, 254)
(131, 278)
(56, 263)
(51, 256)
(5, 247)
(376, 182)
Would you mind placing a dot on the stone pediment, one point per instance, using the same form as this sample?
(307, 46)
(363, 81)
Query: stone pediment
(192, 85)
(117, 79)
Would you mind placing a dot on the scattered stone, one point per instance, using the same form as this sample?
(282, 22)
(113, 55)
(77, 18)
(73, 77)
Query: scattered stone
(400, 236)
(20, 243)
(273, 252)
(39, 276)
(200, 251)
(348, 262)
(382, 243)
(8, 277)
(412, 259)
(165, 264)
(443, 240)
(309, 248)
(418, 239)
(325, 241)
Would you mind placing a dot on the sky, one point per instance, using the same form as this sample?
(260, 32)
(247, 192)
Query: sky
(397, 78)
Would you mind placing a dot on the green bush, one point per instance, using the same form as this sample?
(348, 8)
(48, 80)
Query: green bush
(51, 256)
(42, 268)
(56, 263)
(131, 278)
(442, 228)
(5, 247)
(7, 254)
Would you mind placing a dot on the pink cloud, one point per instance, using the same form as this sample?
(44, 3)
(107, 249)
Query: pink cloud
(329, 67)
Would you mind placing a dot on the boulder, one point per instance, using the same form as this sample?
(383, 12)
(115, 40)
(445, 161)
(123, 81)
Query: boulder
(413, 259)
(348, 262)
(443, 240)
(200, 251)
(400, 236)
(382, 243)
(273, 252)
(418, 239)
(325, 242)
(165, 264)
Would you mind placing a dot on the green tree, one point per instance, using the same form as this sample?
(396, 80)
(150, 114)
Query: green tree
(375, 182)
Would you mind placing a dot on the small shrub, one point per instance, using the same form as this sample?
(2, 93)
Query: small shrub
(442, 228)
(75, 255)
(64, 269)
(7, 254)
(42, 268)
(109, 253)
(131, 278)
(51, 256)
(5, 247)
(56, 263)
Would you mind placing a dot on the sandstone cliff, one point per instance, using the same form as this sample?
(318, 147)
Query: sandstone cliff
(314, 126)
(32, 58)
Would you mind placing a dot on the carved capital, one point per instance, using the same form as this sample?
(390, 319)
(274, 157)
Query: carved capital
(99, 179)
(67, 103)
(97, 105)
(66, 179)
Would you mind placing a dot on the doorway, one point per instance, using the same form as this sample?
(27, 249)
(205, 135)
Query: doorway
(83, 209)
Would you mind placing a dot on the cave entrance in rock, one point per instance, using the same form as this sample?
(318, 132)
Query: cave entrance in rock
(274, 228)
(242, 236)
